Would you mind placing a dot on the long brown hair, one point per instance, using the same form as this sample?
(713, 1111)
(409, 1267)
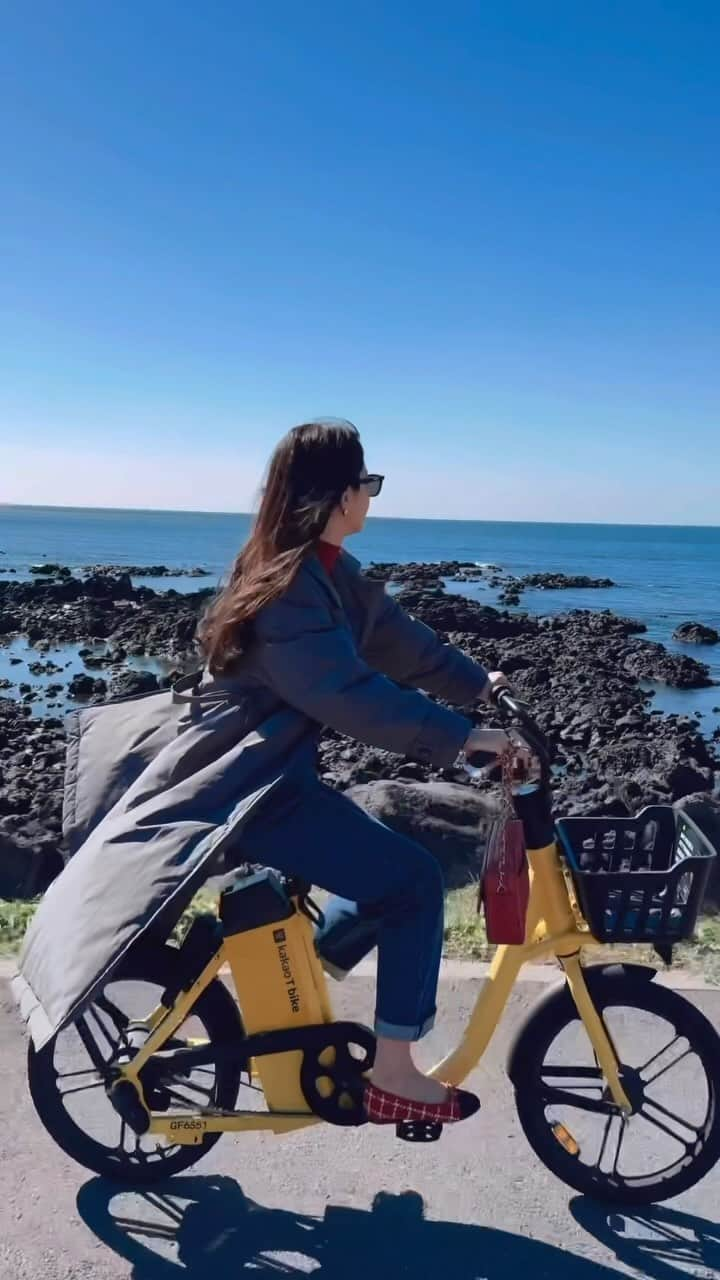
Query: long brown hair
(309, 471)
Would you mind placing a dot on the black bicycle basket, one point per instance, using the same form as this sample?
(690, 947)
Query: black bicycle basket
(638, 879)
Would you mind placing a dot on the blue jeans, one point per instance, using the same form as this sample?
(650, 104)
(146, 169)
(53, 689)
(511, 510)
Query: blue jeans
(320, 835)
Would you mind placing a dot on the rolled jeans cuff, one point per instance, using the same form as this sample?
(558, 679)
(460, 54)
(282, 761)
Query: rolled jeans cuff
(394, 1032)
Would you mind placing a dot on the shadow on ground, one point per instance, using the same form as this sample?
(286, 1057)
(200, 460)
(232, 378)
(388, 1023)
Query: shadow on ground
(659, 1242)
(206, 1227)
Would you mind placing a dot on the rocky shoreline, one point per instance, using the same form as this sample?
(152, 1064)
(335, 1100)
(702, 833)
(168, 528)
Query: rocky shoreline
(581, 672)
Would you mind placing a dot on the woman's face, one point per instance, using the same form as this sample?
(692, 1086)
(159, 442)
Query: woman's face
(357, 502)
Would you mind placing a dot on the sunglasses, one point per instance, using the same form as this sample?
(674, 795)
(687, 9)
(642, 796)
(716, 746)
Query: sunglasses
(374, 484)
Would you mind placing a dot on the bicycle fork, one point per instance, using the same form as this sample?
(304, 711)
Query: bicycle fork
(556, 917)
(597, 1032)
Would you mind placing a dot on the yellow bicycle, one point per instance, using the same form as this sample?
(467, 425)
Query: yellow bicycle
(616, 1078)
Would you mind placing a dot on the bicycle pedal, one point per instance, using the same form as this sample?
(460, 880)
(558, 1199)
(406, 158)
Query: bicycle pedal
(418, 1131)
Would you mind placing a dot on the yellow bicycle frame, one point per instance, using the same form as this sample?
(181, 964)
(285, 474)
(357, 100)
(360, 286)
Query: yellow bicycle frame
(554, 928)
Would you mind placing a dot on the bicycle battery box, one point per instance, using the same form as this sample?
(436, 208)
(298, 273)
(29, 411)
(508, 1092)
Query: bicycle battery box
(254, 901)
(278, 979)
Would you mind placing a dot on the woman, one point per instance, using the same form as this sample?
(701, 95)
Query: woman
(298, 622)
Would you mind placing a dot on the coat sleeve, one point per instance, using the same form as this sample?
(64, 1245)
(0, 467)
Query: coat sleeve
(409, 651)
(310, 660)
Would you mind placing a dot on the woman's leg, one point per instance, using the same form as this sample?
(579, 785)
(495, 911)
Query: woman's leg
(320, 835)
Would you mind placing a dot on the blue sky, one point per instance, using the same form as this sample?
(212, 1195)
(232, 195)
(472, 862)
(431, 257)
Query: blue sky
(486, 232)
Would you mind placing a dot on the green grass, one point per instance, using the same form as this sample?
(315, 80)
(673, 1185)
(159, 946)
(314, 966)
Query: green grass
(464, 930)
(15, 917)
(704, 952)
(465, 936)
(203, 902)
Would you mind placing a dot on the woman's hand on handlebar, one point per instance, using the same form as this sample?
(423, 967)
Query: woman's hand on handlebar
(495, 680)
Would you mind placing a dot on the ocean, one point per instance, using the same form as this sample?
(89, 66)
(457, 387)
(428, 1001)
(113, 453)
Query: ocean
(664, 575)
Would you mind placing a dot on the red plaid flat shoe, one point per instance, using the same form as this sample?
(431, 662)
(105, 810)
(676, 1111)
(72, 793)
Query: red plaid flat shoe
(382, 1107)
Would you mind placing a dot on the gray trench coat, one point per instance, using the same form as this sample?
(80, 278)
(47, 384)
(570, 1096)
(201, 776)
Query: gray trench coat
(158, 787)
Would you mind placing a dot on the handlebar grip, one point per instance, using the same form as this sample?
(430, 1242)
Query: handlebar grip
(501, 695)
(513, 708)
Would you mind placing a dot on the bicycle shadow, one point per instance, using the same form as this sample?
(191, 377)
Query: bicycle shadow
(659, 1242)
(200, 1227)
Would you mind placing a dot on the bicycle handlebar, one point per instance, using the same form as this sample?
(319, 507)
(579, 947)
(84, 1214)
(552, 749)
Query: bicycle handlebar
(511, 708)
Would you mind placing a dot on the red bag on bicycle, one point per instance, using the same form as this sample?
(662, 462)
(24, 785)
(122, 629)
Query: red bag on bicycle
(505, 885)
(505, 888)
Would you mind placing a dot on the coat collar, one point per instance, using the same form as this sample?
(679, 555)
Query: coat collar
(345, 563)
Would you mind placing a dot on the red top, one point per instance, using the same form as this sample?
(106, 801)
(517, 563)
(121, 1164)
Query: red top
(327, 554)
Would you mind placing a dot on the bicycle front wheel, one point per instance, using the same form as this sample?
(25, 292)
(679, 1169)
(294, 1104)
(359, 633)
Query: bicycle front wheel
(669, 1057)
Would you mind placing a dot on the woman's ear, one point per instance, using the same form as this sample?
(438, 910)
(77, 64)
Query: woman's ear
(345, 502)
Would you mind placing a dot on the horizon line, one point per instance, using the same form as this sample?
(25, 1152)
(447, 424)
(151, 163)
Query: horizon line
(179, 511)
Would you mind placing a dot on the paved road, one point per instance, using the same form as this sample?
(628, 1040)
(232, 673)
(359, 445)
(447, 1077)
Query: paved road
(339, 1203)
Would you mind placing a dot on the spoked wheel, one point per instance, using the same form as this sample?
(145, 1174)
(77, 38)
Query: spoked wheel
(670, 1070)
(68, 1077)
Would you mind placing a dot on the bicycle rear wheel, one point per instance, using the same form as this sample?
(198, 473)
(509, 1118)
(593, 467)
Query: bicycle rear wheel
(68, 1077)
(670, 1069)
